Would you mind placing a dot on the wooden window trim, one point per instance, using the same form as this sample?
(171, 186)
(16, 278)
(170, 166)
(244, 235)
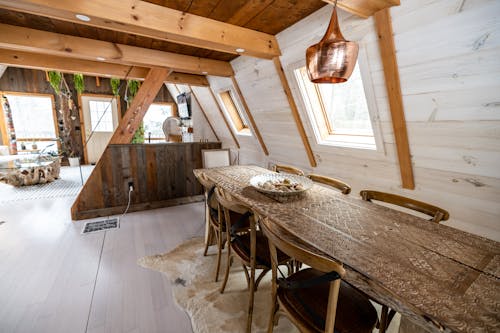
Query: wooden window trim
(320, 113)
(235, 114)
(82, 121)
(54, 117)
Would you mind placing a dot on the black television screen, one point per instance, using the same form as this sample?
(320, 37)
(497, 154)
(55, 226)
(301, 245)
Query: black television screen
(183, 102)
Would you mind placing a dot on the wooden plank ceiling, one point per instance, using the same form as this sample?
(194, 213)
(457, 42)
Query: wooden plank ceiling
(260, 15)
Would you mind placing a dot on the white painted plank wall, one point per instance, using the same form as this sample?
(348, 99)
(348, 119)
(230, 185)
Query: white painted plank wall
(202, 130)
(448, 55)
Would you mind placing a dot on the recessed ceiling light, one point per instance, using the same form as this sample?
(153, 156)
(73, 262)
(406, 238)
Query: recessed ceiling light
(101, 58)
(240, 50)
(204, 73)
(82, 17)
(107, 75)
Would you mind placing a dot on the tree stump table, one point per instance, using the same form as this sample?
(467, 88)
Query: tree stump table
(29, 172)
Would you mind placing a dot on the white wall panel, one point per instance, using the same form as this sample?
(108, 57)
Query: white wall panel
(447, 52)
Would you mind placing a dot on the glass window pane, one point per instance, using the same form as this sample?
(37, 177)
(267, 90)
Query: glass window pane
(234, 113)
(32, 116)
(101, 116)
(338, 112)
(154, 118)
(346, 107)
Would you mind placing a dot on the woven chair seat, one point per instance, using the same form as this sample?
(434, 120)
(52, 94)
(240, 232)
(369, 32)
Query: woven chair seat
(355, 313)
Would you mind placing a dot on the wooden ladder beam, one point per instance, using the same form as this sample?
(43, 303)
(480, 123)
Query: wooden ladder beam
(139, 106)
(387, 48)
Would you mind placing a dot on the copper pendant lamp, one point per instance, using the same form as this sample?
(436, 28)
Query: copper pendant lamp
(333, 59)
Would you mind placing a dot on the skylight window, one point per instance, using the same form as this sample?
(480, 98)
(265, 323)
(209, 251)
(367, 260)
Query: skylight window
(339, 112)
(235, 115)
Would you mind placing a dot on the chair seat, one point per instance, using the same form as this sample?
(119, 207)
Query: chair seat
(355, 313)
(263, 256)
(214, 219)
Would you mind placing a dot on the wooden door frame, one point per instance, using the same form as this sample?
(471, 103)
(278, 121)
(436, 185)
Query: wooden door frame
(82, 119)
(23, 93)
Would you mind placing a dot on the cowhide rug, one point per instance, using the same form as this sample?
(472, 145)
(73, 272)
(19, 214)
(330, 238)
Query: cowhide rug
(194, 290)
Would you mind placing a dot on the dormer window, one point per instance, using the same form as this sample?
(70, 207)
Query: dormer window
(234, 112)
(338, 112)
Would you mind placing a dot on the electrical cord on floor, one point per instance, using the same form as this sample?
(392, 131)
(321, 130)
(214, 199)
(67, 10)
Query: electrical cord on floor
(130, 190)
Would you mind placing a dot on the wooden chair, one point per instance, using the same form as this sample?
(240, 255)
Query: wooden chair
(246, 242)
(287, 169)
(435, 213)
(335, 183)
(214, 228)
(213, 158)
(309, 297)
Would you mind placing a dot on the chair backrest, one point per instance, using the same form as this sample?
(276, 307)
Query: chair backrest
(287, 169)
(213, 158)
(228, 202)
(338, 184)
(437, 214)
(289, 244)
(208, 185)
(205, 182)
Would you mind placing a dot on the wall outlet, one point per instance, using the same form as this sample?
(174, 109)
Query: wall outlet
(130, 185)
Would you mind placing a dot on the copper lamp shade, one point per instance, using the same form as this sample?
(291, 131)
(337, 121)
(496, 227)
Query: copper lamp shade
(333, 59)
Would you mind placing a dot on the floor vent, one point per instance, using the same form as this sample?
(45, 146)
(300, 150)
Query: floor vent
(101, 225)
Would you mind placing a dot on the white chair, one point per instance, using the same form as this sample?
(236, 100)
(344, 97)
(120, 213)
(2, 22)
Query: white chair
(213, 158)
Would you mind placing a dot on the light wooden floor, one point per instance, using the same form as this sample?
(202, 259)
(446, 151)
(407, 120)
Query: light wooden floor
(53, 279)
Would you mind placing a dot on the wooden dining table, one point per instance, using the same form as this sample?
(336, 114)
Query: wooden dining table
(442, 278)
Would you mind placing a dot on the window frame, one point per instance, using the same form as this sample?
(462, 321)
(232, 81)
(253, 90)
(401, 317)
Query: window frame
(54, 117)
(340, 140)
(236, 117)
(175, 113)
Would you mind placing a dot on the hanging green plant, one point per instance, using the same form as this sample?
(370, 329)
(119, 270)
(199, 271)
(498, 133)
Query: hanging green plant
(139, 134)
(133, 87)
(55, 81)
(115, 86)
(79, 83)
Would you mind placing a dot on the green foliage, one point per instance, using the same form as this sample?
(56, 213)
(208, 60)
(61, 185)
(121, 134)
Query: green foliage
(55, 81)
(79, 83)
(133, 87)
(115, 86)
(139, 134)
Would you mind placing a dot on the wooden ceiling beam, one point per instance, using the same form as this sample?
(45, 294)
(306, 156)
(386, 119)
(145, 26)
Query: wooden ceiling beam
(295, 111)
(91, 68)
(43, 42)
(203, 112)
(387, 48)
(249, 116)
(190, 79)
(69, 65)
(364, 8)
(140, 104)
(229, 128)
(3, 68)
(154, 21)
